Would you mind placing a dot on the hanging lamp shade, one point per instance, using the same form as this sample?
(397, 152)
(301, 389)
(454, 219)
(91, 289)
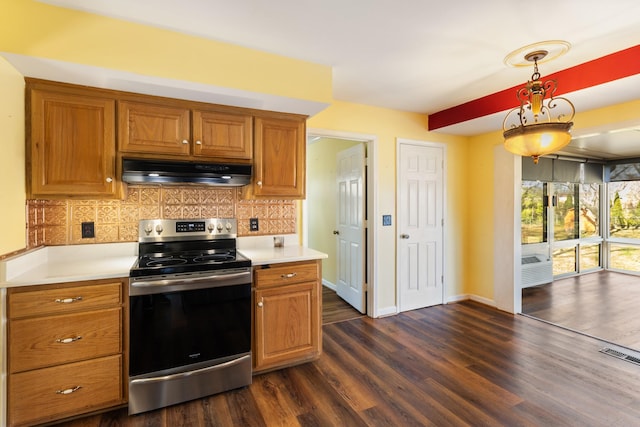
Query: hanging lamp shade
(542, 123)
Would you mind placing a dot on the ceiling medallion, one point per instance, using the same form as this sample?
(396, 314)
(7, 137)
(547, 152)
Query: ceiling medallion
(554, 48)
(542, 123)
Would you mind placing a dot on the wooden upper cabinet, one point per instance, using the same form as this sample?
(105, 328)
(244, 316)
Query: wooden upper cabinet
(71, 149)
(149, 128)
(225, 135)
(160, 130)
(279, 158)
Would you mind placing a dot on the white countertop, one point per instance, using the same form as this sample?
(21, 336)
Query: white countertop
(260, 250)
(57, 264)
(273, 255)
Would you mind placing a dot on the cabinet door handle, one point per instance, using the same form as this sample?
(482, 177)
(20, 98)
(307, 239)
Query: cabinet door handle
(67, 300)
(404, 236)
(184, 141)
(260, 304)
(259, 183)
(69, 390)
(68, 340)
(198, 142)
(289, 276)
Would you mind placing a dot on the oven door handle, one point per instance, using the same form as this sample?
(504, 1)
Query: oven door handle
(210, 280)
(230, 363)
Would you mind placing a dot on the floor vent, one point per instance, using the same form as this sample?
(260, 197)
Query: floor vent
(621, 355)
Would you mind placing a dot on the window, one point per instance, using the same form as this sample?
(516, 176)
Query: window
(566, 223)
(589, 206)
(533, 212)
(589, 257)
(624, 257)
(624, 209)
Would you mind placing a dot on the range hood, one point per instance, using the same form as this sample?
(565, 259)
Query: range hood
(138, 171)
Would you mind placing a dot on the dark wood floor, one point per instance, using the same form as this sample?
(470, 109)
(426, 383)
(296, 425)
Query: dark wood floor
(335, 309)
(461, 364)
(603, 304)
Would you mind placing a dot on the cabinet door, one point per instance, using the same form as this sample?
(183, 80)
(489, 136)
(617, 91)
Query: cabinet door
(72, 145)
(287, 325)
(279, 158)
(150, 128)
(222, 135)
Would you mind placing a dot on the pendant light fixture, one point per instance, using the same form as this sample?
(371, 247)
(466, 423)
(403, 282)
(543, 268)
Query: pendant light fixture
(542, 123)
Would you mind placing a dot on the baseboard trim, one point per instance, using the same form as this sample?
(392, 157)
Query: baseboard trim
(328, 284)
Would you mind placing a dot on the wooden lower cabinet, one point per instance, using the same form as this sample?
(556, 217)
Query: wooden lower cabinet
(288, 310)
(66, 390)
(66, 350)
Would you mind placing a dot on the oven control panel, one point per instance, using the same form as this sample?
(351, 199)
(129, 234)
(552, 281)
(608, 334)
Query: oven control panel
(189, 226)
(154, 230)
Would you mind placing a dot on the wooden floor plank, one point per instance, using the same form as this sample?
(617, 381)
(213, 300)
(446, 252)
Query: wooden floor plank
(335, 309)
(602, 304)
(462, 364)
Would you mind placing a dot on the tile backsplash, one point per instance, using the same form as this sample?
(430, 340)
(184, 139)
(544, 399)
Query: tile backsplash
(58, 222)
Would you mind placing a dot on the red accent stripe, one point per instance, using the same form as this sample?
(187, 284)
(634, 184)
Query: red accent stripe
(608, 68)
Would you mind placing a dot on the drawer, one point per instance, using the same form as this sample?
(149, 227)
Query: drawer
(62, 300)
(35, 342)
(61, 391)
(284, 274)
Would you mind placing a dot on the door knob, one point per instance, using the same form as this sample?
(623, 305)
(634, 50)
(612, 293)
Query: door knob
(404, 236)
(336, 232)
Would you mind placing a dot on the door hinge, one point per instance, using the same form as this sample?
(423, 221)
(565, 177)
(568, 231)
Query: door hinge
(442, 279)
(442, 221)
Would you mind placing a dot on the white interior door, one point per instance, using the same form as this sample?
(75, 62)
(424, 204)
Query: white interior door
(420, 226)
(350, 234)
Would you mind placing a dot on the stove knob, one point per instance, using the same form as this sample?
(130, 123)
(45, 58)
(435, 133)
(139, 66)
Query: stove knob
(211, 227)
(229, 226)
(159, 229)
(148, 229)
(219, 228)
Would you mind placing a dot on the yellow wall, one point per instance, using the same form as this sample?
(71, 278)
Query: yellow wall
(389, 125)
(35, 29)
(12, 168)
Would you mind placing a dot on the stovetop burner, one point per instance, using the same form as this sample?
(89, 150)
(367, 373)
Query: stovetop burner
(164, 261)
(214, 258)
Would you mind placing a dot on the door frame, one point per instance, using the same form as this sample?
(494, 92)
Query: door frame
(443, 147)
(371, 142)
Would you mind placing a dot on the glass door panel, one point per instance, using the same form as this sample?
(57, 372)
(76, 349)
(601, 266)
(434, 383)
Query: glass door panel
(533, 212)
(564, 260)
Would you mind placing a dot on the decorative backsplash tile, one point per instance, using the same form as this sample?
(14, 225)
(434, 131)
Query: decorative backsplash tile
(59, 222)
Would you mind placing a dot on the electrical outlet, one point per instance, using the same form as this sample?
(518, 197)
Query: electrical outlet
(88, 230)
(253, 224)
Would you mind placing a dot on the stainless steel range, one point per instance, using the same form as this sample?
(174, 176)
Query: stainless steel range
(190, 313)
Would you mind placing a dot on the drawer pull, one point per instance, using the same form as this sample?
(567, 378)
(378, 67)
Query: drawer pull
(68, 300)
(289, 276)
(68, 340)
(69, 390)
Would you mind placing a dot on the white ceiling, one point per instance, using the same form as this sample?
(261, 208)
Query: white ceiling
(412, 55)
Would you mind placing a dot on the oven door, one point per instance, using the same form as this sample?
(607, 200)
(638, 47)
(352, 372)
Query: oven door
(183, 332)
